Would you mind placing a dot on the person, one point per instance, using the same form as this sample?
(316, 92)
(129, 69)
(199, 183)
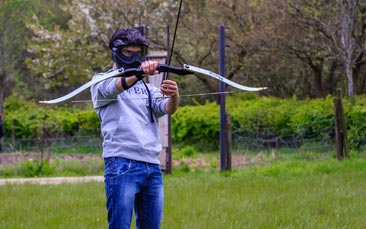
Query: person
(128, 109)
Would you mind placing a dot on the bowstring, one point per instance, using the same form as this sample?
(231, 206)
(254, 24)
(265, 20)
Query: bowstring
(169, 59)
(160, 97)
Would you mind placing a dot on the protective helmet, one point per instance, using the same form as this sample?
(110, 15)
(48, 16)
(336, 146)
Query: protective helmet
(128, 37)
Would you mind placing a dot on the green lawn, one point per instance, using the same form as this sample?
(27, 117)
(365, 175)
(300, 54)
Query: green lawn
(283, 194)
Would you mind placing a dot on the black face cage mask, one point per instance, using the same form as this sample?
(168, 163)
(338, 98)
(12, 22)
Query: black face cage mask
(123, 61)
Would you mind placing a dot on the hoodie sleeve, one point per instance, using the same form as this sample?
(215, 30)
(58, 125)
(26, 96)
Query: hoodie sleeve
(159, 102)
(104, 92)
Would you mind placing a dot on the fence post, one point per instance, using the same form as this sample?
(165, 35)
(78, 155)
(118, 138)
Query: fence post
(222, 99)
(229, 142)
(342, 145)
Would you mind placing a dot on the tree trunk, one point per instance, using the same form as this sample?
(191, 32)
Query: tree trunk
(318, 85)
(349, 73)
(358, 78)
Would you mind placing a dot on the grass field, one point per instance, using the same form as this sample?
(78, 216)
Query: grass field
(294, 193)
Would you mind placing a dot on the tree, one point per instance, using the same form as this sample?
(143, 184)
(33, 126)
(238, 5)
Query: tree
(288, 46)
(335, 34)
(15, 76)
(70, 56)
(198, 36)
(347, 36)
(299, 35)
(12, 42)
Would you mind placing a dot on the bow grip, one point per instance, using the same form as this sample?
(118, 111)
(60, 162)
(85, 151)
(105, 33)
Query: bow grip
(161, 68)
(176, 70)
(132, 72)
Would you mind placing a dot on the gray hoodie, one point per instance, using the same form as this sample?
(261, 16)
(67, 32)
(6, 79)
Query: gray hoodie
(126, 126)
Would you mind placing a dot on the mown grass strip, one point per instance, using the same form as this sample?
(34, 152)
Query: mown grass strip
(290, 194)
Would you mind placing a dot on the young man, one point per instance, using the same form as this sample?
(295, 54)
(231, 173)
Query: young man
(128, 109)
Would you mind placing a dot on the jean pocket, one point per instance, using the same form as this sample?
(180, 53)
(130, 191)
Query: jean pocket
(117, 167)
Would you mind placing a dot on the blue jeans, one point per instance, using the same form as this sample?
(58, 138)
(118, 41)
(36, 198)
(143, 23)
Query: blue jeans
(133, 185)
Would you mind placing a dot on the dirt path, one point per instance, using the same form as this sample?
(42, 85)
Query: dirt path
(52, 180)
(10, 158)
(238, 161)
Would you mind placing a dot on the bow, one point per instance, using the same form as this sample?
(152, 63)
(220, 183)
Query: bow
(185, 70)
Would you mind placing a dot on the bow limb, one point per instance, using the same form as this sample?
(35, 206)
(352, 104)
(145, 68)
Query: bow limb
(221, 78)
(96, 79)
(189, 69)
(116, 73)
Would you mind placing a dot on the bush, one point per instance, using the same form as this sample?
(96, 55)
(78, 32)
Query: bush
(200, 125)
(192, 124)
(187, 151)
(25, 119)
(282, 118)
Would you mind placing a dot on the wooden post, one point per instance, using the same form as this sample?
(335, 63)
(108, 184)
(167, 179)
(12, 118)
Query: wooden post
(222, 89)
(163, 122)
(338, 132)
(342, 145)
(229, 142)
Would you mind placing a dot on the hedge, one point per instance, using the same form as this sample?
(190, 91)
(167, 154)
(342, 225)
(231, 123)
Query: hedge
(200, 123)
(27, 119)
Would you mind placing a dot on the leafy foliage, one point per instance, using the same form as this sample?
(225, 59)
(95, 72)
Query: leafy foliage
(15, 76)
(196, 123)
(66, 56)
(28, 120)
(192, 125)
(285, 45)
(282, 118)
